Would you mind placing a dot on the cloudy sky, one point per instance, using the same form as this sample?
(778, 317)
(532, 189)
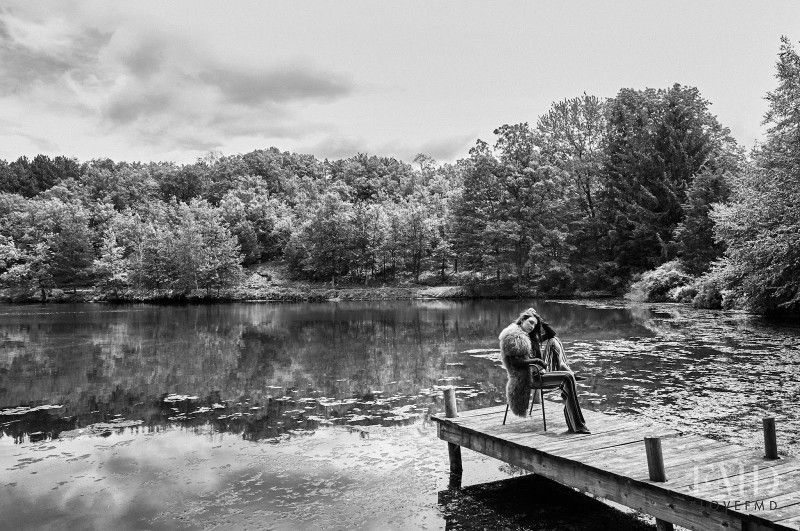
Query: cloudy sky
(176, 80)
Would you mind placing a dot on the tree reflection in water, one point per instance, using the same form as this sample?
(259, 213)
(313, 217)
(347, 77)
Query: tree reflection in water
(172, 409)
(262, 370)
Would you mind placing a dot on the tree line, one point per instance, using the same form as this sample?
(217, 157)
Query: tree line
(644, 191)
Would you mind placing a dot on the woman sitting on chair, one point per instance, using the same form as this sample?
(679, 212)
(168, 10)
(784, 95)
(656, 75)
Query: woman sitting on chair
(520, 350)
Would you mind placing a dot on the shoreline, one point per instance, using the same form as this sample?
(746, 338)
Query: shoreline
(300, 292)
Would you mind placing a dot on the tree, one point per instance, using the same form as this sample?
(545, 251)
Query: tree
(71, 250)
(416, 233)
(572, 137)
(782, 149)
(219, 262)
(477, 204)
(9, 254)
(694, 236)
(183, 183)
(322, 247)
(32, 272)
(183, 247)
(761, 227)
(658, 140)
(31, 177)
(506, 207)
(368, 236)
(760, 270)
(111, 268)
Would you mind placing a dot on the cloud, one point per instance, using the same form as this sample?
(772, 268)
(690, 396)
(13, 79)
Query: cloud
(338, 146)
(144, 58)
(35, 52)
(170, 95)
(277, 84)
(448, 149)
(148, 84)
(127, 107)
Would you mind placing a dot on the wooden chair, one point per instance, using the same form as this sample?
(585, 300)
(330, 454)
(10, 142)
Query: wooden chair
(538, 385)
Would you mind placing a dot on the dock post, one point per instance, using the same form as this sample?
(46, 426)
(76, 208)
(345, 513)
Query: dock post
(655, 466)
(451, 411)
(655, 460)
(770, 440)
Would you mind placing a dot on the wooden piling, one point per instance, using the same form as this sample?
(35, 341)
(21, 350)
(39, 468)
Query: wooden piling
(451, 411)
(655, 460)
(450, 407)
(770, 439)
(655, 466)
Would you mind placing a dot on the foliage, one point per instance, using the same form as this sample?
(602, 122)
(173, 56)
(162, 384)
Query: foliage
(694, 236)
(502, 216)
(598, 192)
(760, 270)
(110, 269)
(184, 247)
(782, 149)
(571, 137)
(658, 284)
(31, 177)
(685, 293)
(322, 246)
(709, 292)
(761, 228)
(557, 279)
(658, 140)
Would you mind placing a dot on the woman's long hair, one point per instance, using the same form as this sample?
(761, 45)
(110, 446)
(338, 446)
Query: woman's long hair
(536, 333)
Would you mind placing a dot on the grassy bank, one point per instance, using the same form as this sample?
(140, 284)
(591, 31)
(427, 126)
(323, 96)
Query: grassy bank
(270, 282)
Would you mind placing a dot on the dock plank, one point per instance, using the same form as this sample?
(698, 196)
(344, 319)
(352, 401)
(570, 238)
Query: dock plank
(644, 498)
(793, 521)
(703, 475)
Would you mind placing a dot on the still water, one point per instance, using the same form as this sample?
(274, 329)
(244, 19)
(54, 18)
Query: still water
(310, 416)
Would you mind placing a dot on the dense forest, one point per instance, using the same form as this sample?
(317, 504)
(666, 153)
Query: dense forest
(644, 193)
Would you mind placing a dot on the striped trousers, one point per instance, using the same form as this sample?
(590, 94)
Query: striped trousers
(569, 392)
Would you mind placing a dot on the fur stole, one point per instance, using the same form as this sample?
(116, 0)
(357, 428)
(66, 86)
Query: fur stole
(515, 346)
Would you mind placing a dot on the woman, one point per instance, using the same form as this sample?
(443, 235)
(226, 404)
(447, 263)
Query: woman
(520, 349)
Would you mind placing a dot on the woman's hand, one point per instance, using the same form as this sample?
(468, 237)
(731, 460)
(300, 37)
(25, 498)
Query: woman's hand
(539, 363)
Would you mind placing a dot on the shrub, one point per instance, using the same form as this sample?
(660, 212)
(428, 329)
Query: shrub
(656, 285)
(557, 279)
(603, 277)
(709, 293)
(683, 293)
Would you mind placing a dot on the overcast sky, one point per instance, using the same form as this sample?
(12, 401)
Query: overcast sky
(173, 80)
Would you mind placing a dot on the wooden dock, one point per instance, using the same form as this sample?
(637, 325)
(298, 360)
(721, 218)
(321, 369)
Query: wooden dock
(710, 485)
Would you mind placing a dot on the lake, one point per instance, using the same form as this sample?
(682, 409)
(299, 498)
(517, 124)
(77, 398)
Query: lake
(308, 416)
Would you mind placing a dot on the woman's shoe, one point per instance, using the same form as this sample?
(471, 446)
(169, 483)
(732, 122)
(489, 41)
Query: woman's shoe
(583, 430)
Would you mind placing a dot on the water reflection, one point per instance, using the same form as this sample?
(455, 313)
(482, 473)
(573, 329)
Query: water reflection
(286, 416)
(264, 370)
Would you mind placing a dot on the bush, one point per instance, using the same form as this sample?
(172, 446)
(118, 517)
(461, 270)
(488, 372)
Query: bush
(657, 285)
(683, 293)
(557, 279)
(604, 277)
(709, 294)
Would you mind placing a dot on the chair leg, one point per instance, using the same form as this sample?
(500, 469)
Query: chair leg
(544, 419)
(533, 400)
(504, 416)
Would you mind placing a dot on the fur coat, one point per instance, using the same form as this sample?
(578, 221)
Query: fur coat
(515, 348)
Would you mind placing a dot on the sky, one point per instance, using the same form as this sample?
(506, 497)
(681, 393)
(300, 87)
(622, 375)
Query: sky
(177, 80)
